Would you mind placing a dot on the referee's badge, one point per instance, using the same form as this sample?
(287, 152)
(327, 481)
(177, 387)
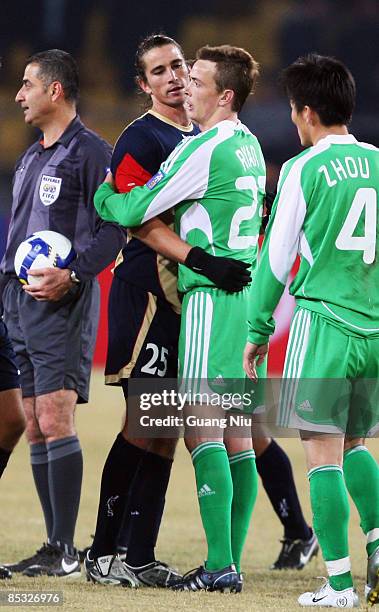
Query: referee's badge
(49, 189)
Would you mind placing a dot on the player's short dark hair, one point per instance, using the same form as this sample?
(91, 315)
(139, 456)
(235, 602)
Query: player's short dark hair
(236, 70)
(58, 65)
(151, 42)
(324, 84)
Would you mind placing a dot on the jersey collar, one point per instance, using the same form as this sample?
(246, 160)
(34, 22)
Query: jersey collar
(73, 128)
(338, 139)
(182, 128)
(233, 124)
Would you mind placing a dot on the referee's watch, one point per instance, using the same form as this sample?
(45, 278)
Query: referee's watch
(73, 277)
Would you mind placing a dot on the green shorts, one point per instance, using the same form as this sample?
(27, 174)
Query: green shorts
(330, 380)
(213, 335)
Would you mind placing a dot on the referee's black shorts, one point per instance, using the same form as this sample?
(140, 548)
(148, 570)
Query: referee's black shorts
(53, 341)
(143, 334)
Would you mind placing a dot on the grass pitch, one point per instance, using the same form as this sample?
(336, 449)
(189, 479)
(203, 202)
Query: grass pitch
(181, 539)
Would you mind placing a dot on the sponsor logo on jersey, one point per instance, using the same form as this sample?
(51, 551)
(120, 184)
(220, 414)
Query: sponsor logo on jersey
(49, 189)
(155, 179)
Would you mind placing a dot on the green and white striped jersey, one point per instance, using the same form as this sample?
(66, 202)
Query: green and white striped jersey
(326, 211)
(216, 181)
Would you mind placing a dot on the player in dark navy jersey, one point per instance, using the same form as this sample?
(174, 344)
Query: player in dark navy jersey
(138, 153)
(133, 163)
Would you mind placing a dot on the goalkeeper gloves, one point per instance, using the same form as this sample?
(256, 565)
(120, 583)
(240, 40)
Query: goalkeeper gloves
(228, 274)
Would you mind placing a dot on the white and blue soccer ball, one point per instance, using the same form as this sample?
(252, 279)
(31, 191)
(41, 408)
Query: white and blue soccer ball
(43, 249)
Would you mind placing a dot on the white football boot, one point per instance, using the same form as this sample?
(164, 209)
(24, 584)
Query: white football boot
(326, 596)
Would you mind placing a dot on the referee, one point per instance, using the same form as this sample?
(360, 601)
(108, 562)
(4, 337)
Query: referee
(53, 324)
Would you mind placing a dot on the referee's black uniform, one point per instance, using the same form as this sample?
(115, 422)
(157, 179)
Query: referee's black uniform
(53, 189)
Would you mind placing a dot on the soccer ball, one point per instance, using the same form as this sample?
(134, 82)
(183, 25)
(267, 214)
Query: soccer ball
(44, 249)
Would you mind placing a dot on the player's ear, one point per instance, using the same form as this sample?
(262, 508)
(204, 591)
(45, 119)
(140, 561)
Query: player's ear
(310, 116)
(315, 117)
(142, 84)
(56, 90)
(227, 97)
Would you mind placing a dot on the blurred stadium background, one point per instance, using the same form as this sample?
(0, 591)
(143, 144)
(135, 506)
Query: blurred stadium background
(103, 35)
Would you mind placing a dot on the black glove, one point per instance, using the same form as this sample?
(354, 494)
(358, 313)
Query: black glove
(228, 274)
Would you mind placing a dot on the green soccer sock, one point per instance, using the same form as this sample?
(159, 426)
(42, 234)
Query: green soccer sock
(362, 480)
(215, 493)
(330, 507)
(245, 488)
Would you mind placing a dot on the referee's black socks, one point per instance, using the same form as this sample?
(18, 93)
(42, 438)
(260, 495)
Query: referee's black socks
(65, 472)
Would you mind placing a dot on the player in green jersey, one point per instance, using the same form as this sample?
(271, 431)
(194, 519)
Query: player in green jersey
(326, 210)
(217, 182)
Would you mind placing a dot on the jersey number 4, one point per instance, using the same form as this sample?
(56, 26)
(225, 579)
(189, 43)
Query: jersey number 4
(365, 200)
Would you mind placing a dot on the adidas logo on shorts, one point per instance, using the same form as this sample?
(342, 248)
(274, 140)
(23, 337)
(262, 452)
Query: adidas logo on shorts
(205, 490)
(306, 406)
(219, 380)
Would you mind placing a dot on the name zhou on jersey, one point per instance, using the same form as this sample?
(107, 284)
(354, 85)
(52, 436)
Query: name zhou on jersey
(349, 167)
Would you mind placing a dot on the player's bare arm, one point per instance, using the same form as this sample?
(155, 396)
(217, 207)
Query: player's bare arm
(162, 239)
